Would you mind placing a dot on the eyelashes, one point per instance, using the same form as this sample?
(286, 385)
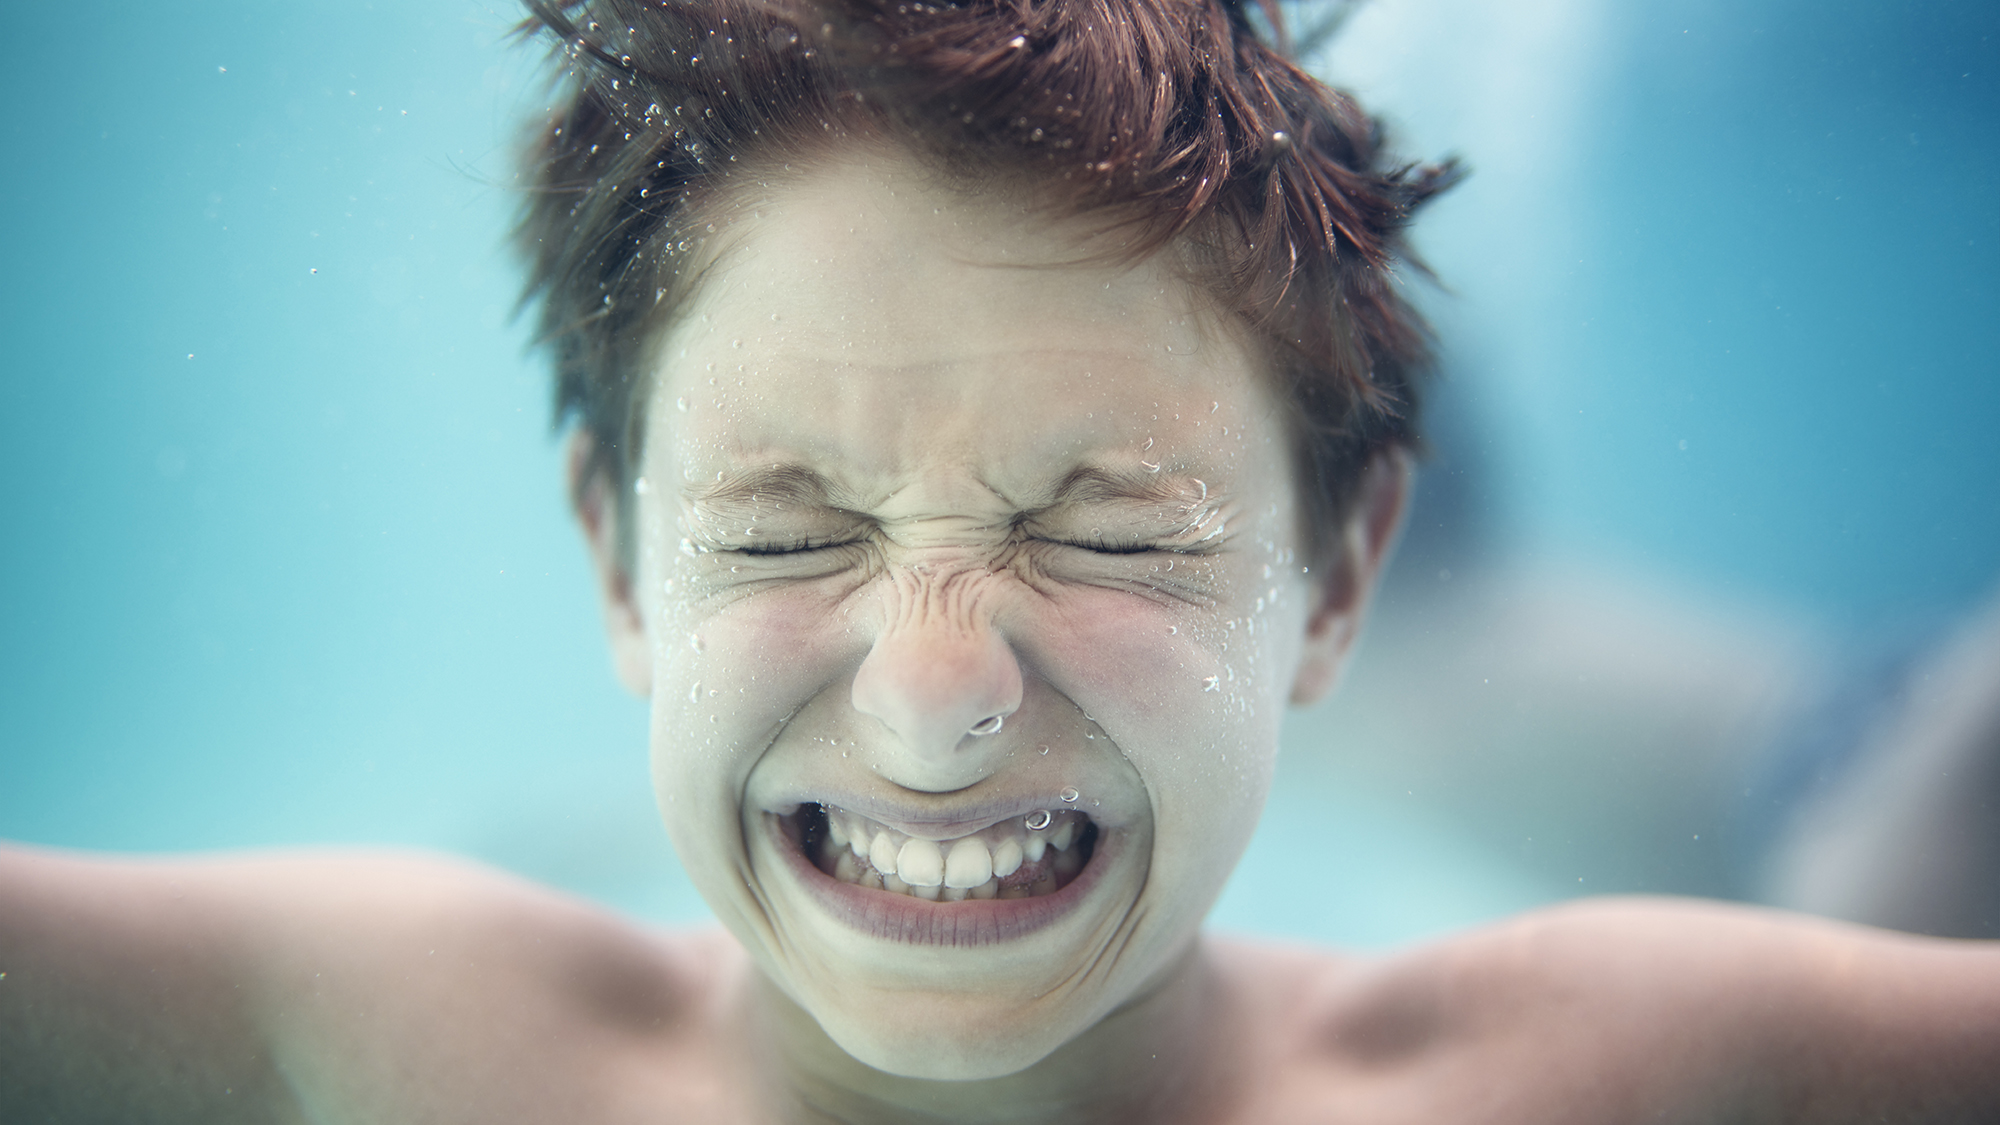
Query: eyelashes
(1102, 548)
(797, 547)
(810, 546)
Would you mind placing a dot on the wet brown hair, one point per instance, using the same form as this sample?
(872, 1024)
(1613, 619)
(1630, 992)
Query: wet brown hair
(1177, 116)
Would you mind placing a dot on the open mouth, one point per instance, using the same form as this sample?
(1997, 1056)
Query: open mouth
(1030, 856)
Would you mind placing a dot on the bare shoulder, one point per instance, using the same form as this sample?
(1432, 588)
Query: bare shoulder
(1633, 1009)
(339, 985)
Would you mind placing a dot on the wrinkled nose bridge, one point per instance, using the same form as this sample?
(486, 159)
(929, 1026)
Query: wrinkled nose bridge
(938, 667)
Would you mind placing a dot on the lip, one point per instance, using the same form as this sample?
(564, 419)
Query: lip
(962, 820)
(972, 922)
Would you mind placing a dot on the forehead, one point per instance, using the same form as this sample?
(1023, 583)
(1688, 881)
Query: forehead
(862, 316)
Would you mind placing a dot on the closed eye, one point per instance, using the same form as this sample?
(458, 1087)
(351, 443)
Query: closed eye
(792, 547)
(1100, 547)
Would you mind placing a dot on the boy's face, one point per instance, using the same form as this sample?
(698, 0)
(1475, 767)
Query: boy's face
(961, 575)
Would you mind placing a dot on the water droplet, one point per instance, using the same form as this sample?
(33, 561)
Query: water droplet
(1018, 42)
(781, 37)
(1173, 630)
(988, 725)
(694, 693)
(695, 642)
(640, 487)
(1213, 683)
(1045, 750)
(1068, 795)
(1039, 819)
(682, 403)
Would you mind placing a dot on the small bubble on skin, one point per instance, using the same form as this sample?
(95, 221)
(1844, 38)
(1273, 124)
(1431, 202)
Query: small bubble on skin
(682, 403)
(1038, 820)
(640, 487)
(1069, 795)
(695, 642)
(1045, 751)
(1212, 683)
(694, 693)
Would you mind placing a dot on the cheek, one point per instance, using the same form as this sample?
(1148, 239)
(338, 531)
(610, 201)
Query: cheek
(728, 676)
(1194, 700)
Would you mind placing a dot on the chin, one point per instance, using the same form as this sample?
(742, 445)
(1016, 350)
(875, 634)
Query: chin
(946, 1038)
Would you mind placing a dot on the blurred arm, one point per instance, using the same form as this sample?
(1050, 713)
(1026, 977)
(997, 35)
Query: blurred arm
(127, 996)
(1888, 1027)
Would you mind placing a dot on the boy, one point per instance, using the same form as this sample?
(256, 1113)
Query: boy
(990, 418)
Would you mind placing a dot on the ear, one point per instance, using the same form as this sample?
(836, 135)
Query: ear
(1340, 597)
(598, 515)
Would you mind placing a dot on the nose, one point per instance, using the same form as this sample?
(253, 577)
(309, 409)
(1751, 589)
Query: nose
(940, 678)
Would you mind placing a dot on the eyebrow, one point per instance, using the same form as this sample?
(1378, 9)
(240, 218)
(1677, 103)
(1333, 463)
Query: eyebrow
(807, 488)
(1090, 484)
(792, 483)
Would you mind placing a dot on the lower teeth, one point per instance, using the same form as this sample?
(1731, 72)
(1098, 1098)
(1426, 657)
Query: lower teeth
(1032, 879)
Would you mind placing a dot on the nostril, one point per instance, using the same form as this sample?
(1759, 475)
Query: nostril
(935, 689)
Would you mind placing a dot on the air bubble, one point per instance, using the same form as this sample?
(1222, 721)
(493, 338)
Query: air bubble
(1068, 795)
(1213, 683)
(682, 403)
(695, 642)
(1039, 819)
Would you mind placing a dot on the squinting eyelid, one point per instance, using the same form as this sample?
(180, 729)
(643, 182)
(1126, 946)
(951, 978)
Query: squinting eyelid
(1140, 548)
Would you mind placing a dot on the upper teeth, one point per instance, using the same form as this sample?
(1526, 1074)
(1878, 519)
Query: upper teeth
(969, 866)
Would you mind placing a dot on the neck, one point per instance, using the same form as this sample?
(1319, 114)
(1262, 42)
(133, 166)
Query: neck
(1160, 1058)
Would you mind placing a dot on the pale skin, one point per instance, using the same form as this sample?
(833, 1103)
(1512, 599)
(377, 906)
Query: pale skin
(981, 484)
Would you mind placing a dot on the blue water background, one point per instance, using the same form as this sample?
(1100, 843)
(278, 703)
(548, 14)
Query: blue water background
(283, 556)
